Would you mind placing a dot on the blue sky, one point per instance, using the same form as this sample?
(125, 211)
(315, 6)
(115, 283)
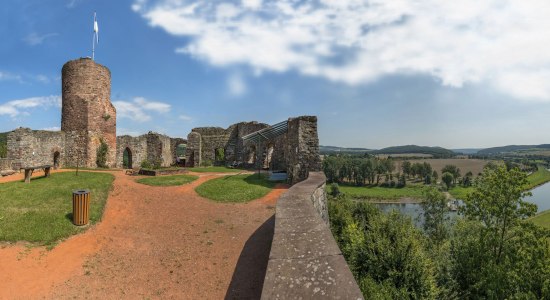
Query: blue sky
(376, 73)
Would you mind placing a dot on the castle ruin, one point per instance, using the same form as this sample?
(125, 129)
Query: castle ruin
(88, 121)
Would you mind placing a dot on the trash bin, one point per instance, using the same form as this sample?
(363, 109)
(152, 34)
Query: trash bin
(81, 207)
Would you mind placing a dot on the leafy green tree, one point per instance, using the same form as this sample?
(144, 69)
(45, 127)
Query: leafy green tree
(467, 180)
(406, 168)
(495, 253)
(3, 150)
(435, 176)
(454, 170)
(448, 179)
(436, 215)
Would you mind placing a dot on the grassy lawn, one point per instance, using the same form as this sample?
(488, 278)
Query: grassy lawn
(542, 219)
(214, 169)
(539, 177)
(41, 211)
(460, 192)
(167, 180)
(381, 193)
(236, 188)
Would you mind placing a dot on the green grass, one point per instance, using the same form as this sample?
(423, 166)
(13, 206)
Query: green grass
(236, 188)
(537, 178)
(381, 193)
(41, 211)
(460, 192)
(542, 219)
(167, 180)
(214, 169)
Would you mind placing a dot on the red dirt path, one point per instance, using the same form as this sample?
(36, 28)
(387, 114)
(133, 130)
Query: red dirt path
(153, 242)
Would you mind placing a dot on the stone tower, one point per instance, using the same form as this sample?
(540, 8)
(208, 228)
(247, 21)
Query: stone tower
(87, 115)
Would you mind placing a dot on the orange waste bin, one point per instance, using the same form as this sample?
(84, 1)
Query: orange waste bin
(81, 207)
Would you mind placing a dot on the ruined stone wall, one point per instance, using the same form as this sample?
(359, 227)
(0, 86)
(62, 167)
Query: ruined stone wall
(27, 148)
(87, 116)
(302, 148)
(137, 147)
(5, 164)
(151, 147)
(174, 142)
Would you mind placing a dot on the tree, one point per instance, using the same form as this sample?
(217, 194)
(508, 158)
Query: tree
(448, 179)
(467, 180)
(495, 253)
(454, 170)
(435, 176)
(406, 167)
(435, 213)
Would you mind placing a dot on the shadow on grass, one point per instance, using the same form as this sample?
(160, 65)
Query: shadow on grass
(248, 278)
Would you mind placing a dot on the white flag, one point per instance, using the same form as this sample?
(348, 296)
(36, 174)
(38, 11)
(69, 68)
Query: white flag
(96, 29)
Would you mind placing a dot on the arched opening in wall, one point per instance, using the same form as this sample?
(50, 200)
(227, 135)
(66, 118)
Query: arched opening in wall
(180, 154)
(219, 156)
(56, 159)
(268, 156)
(251, 155)
(127, 159)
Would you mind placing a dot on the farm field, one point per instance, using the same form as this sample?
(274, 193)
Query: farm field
(473, 165)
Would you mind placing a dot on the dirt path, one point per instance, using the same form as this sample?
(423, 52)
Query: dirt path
(153, 242)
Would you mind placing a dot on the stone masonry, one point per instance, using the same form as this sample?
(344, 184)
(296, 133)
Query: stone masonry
(153, 147)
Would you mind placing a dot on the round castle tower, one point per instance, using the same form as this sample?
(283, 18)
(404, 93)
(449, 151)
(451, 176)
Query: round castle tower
(87, 116)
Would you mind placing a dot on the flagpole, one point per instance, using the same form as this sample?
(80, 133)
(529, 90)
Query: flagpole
(93, 39)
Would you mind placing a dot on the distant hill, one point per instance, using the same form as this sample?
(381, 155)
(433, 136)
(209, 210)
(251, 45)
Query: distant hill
(336, 149)
(435, 151)
(512, 148)
(467, 150)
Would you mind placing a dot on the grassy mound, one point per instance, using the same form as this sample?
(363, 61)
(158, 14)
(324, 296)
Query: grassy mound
(542, 219)
(167, 180)
(236, 188)
(42, 210)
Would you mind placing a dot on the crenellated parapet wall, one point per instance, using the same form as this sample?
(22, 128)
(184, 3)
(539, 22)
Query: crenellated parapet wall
(305, 261)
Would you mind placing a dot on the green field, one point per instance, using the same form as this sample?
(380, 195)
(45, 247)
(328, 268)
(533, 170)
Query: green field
(539, 177)
(381, 193)
(236, 188)
(41, 211)
(542, 219)
(167, 180)
(214, 170)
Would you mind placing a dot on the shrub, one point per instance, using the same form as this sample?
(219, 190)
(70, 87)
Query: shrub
(146, 164)
(334, 189)
(102, 150)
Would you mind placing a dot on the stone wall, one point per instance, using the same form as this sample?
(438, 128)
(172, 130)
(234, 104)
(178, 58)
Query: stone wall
(151, 147)
(305, 261)
(6, 164)
(87, 115)
(302, 148)
(27, 148)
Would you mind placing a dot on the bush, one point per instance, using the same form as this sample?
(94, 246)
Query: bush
(145, 164)
(334, 189)
(102, 150)
(206, 163)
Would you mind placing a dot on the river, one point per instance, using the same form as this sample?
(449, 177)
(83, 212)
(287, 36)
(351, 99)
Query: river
(541, 197)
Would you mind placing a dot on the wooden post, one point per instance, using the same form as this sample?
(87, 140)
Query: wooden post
(47, 172)
(28, 174)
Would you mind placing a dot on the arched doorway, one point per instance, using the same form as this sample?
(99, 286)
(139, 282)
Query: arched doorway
(180, 154)
(219, 156)
(56, 160)
(127, 158)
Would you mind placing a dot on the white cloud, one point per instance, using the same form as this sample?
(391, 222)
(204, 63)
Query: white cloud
(139, 108)
(53, 128)
(9, 76)
(34, 39)
(236, 85)
(14, 108)
(126, 131)
(185, 118)
(503, 44)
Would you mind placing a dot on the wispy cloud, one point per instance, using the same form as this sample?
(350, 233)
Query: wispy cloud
(53, 128)
(139, 108)
(236, 85)
(34, 38)
(9, 76)
(126, 131)
(14, 108)
(185, 118)
(501, 44)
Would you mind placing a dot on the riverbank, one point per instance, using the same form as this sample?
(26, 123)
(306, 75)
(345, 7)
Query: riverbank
(542, 219)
